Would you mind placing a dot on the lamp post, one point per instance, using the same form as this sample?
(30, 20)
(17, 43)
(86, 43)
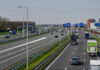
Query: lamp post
(27, 15)
(23, 30)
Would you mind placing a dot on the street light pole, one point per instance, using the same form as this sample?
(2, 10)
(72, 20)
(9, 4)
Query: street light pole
(6, 25)
(27, 15)
(23, 28)
(39, 26)
(27, 37)
(23, 31)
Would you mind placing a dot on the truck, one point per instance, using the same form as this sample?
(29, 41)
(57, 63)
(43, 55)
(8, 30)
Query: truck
(12, 32)
(87, 35)
(92, 47)
(73, 40)
(76, 35)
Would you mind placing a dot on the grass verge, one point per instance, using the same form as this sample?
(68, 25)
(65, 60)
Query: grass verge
(4, 33)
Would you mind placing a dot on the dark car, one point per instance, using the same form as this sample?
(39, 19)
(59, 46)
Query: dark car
(56, 36)
(74, 61)
(7, 36)
(51, 33)
(62, 34)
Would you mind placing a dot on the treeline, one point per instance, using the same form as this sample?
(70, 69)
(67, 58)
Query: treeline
(6, 24)
(3, 23)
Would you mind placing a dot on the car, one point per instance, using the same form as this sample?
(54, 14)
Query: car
(7, 36)
(74, 61)
(56, 36)
(62, 34)
(56, 31)
(51, 33)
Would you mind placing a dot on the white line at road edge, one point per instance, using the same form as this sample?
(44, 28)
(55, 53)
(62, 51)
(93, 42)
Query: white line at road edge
(83, 68)
(97, 57)
(57, 57)
(22, 45)
(65, 68)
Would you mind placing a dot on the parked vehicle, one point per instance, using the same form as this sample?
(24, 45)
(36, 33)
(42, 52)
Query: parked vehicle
(92, 47)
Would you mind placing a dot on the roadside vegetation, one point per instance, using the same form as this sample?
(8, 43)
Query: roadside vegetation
(4, 33)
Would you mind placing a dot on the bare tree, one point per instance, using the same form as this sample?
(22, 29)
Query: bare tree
(3, 22)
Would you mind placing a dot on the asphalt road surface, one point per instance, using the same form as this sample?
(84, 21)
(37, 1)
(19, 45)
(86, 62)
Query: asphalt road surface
(16, 51)
(62, 61)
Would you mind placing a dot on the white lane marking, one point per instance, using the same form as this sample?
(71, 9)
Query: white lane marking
(11, 58)
(84, 59)
(84, 53)
(22, 45)
(97, 56)
(73, 52)
(83, 68)
(57, 57)
(11, 53)
(22, 53)
(65, 68)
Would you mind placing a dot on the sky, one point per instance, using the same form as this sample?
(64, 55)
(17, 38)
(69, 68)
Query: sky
(51, 11)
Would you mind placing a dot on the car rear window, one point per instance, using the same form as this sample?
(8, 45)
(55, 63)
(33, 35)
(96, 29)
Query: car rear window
(75, 58)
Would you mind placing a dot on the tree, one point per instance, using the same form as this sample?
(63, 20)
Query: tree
(3, 23)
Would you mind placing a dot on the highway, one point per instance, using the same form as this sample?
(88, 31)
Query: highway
(62, 61)
(13, 52)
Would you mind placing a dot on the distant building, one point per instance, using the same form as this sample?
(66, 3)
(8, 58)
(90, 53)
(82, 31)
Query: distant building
(13, 25)
(89, 21)
(99, 19)
(95, 26)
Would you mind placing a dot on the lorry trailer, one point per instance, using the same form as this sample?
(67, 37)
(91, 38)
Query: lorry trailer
(92, 47)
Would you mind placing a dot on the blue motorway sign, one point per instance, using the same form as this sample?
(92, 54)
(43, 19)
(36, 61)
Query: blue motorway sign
(67, 25)
(97, 24)
(81, 24)
(64, 25)
(76, 25)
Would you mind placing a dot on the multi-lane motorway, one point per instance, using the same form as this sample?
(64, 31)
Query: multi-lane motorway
(16, 51)
(62, 61)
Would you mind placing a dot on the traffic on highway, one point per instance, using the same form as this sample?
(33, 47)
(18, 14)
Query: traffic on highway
(49, 35)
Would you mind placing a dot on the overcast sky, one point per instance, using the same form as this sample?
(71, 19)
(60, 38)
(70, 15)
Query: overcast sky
(51, 11)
